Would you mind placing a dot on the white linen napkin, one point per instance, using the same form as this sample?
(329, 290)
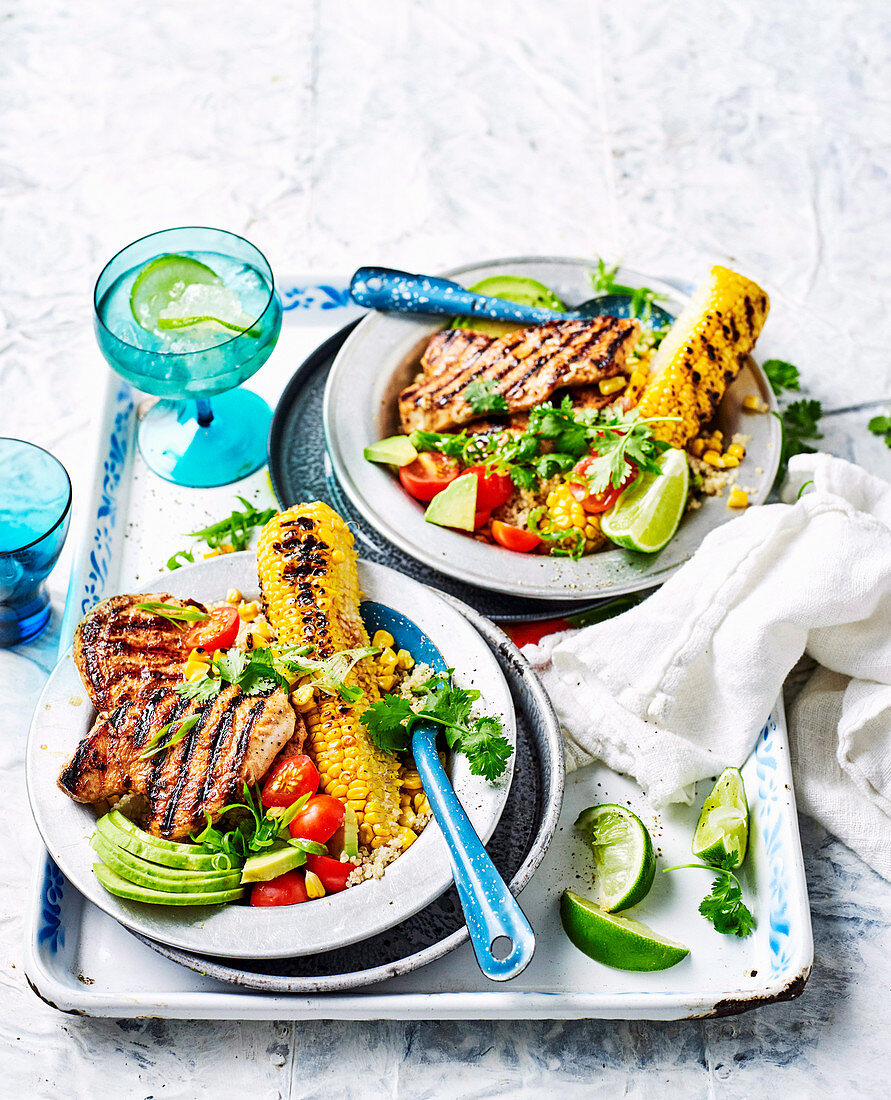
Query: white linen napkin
(680, 686)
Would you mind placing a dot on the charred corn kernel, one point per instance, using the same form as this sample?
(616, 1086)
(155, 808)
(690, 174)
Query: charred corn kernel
(712, 458)
(405, 801)
(386, 682)
(696, 447)
(264, 630)
(405, 818)
(702, 354)
(257, 641)
(404, 660)
(728, 462)
(302, 697)
(738, 498)
(249, 611)
(407, 837)
(336, 739)
(753, 403)
(383, 639)
(234, 596)
(421, 804)
(612, 385)
(196, 665)
(314, 887)
(736, 450)
(412, 783)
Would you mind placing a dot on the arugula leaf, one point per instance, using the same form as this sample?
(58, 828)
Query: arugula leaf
(390, 720)
(881, 425)
(483, 398)
(174, 612)
(724, 906)
(781, 375)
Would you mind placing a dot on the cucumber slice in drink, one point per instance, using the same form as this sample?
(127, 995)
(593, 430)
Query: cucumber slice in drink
(722, 832)
(624, 860)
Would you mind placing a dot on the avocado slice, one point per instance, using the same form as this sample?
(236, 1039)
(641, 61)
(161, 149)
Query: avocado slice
(156, 850)
(397, 450)
(156, 877)
(513, 288)
(269, 865)
(121, 888)
(455, 506)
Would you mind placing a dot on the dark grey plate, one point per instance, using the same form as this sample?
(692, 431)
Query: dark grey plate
(517, 848)
(300, 469)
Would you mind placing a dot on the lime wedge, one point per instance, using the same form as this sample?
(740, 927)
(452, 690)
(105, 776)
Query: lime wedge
(161, 281)
(722, 832)
(616, 941)
(647, 514)
(624, 860)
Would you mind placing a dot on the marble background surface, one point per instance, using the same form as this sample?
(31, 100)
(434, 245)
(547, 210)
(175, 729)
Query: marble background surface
(423, 135)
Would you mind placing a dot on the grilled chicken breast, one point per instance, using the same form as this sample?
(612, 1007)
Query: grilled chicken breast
(453, 347)
(233, 742)
(119, 648)
(525, 367)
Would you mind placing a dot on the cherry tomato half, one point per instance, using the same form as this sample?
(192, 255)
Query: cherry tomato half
(218, 631)
(492, 489)
(289, 780)
(532, 633)
(428, 475)
(319, 819)
(597, 502)
(287, 889)
(514, 538)
(332, 872)
(480, 519)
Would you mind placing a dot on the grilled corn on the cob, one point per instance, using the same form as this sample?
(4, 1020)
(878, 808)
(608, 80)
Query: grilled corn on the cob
(307, 567)
(702, 354)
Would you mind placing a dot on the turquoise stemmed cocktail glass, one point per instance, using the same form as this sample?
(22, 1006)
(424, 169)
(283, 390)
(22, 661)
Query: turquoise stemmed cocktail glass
(204, 431)
(35, 510)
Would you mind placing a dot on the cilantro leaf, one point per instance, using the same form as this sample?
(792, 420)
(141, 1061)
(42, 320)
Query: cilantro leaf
(881, 425)
(486, 748)
(800, 422)
(781, 375)
(724, 906)
(483, 398)
(387, 721)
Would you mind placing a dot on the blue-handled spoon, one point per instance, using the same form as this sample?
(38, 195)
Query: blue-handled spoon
(392, 291)
(491, 910)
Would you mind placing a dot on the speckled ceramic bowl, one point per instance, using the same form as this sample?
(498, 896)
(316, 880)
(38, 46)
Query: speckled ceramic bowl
(381, 357)
(416, 878)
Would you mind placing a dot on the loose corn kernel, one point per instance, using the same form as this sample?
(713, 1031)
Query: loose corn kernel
(407, 837)
(738, 498)
(753, 403)
(405, 801)
(736, 450)
(234, 596)
(728, 462)
(718, 436)
(314, 887)
(591, 531)
(257, 641)
(302, 697)
(249, 611)
(405, 818)
(712, 458)
(264, 630)
(386, 682)
(412, 783)
(382, 639)
(421, 804)
(404, 660)
(387, 660)
(696, 447)
(612, 385)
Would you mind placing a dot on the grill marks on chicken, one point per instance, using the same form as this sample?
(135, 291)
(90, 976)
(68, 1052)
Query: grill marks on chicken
(119, 648)
(525, 367)
(130, 662)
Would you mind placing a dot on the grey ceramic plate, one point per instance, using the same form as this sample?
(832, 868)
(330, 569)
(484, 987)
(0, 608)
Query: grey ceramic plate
(63, 716)
(517, 847)
(381, 357)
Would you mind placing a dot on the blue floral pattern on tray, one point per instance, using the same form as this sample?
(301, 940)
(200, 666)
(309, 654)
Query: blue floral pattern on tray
(766, 768)
(52, 931)
(317, 296)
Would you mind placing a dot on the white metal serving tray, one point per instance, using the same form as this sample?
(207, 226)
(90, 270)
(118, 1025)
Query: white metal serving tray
(81, 961)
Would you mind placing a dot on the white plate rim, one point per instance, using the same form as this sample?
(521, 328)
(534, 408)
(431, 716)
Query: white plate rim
(354, 386)
(410, 883)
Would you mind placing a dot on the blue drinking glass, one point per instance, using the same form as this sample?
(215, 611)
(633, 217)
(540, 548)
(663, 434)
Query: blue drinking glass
(35, 510)
(203, 431)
